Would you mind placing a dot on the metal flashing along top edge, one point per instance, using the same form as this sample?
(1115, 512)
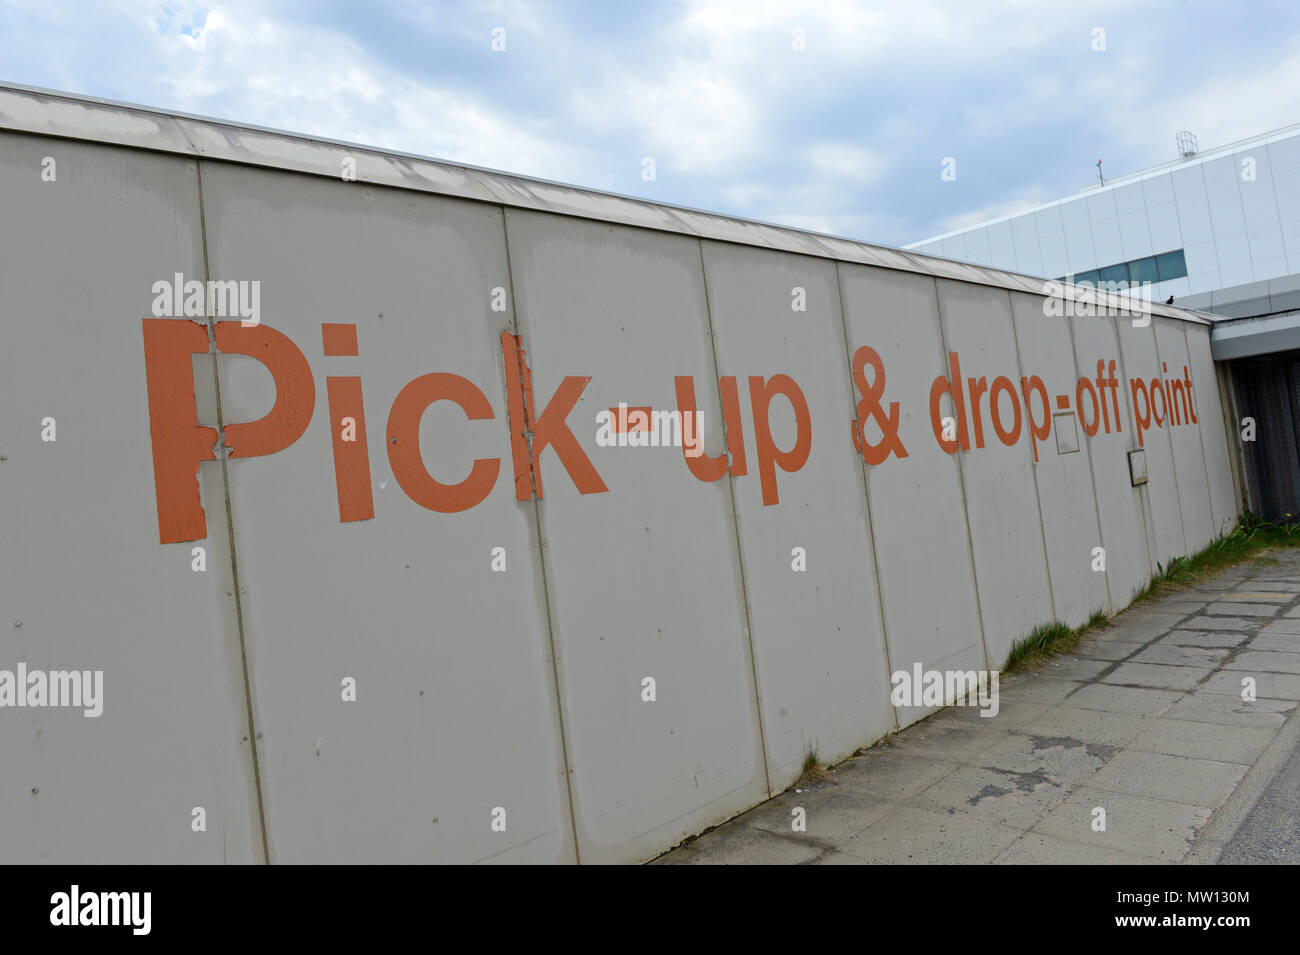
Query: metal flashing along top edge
(42, 112)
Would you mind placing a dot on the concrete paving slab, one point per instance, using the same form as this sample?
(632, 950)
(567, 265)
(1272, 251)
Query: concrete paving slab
(1112, 651)
(1205, 638)
(1192, 604)
(1136, 824)
(1157, 675)
(956, 743)
(1060, 758)
(892, 773)
(1146, 612)
(998, 795)
(1276, 586)
(1036, 848)
(1090, 726)
(907, 835)
(1270, 661)
(1236, 624)
(1226, 609)
(1011, 715)
(733, 844)
(1141, 629)
(1255, 596)
(1171, 654)
(1078, 669)
(1037, 689)
(1280, 642)
(832, 812)
(1230, 710)
(1284, 625)
(1123, 699)
(1225, 744)
(1197, 782)
(1272, 686)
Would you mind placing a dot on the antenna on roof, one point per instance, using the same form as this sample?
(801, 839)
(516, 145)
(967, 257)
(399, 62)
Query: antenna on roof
(1186, 144)
(1099, 175)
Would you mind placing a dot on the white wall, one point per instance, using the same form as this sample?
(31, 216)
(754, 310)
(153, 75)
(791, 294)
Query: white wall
(1236, 215)
(519, 690)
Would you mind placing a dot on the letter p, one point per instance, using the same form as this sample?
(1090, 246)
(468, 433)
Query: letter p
(180, 443)
(1141, 412)
(770, 457)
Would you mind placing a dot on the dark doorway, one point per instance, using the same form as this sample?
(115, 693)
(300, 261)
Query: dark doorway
(1265, 389)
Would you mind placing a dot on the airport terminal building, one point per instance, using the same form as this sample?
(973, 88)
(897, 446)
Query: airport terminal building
(1219, 231)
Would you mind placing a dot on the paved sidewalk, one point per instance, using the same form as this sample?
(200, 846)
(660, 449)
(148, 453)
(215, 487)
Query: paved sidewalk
(1145, 721)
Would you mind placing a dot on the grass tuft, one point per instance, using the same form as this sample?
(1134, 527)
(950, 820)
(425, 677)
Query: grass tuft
(1251, 536)
(812, 767)
(812, 759)
(1044, 640)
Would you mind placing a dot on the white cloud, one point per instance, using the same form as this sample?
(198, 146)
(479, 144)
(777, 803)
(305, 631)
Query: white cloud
(1018, 202)
(197, 39)
(1224, 109)
(319, 82)
(844, 137)
(693, 120)
(845, 163)
(446, 125)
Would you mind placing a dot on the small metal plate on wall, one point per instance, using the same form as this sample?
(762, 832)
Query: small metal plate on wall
(1067, 432)
(1137, 467)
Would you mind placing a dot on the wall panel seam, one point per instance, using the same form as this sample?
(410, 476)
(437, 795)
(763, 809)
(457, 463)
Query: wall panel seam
(536, 505)
(230, 530)
(961, 483)
(735, 524)
(866, 498)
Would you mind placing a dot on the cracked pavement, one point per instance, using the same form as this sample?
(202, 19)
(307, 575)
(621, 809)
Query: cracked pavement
(1145, 720)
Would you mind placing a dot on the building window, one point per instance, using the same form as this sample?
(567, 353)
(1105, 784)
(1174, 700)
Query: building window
(1154, 268)
(1171, 265)
(1143, 270)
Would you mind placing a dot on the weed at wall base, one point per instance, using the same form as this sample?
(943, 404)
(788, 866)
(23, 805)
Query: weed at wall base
(1251, 535)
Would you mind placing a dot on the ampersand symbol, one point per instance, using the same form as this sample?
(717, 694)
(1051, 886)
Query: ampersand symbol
(870, 407)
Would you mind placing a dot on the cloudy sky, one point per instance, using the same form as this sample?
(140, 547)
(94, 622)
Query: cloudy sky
(846, 135)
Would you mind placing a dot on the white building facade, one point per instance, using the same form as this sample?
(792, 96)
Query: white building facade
(1225, 218)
